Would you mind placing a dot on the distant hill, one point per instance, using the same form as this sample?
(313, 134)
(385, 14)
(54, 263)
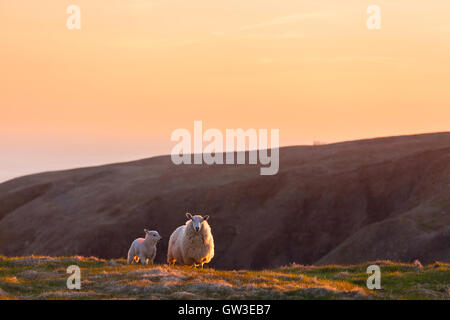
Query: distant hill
(351, 202)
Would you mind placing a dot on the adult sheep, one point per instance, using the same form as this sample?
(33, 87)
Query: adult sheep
(191, 244)
(144, 249)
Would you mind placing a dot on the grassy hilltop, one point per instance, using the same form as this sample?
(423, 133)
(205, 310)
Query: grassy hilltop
(36, 277)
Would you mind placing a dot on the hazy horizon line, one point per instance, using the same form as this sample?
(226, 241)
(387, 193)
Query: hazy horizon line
(322, 143)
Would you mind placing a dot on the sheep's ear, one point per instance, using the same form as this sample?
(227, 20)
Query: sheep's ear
(188, 215)
(205, 218)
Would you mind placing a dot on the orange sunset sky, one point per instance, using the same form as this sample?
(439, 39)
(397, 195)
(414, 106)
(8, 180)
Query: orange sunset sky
(139, 69)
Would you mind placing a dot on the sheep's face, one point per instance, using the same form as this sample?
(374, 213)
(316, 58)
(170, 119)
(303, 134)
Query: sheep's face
(197, 221)
(154, 235)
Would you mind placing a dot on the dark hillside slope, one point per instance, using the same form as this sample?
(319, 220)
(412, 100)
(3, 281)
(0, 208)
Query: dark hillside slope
(386, 198)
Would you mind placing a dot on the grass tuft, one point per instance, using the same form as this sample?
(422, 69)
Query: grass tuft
(38, 277)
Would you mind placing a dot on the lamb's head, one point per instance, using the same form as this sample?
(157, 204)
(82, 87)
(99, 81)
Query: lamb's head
(196, 222)
(152, 235)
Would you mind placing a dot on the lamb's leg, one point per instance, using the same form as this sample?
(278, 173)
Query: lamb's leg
(130, 256)
(170, 259)
(143, 259)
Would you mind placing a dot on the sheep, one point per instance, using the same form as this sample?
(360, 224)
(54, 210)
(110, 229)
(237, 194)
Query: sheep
(144, 249)
(191, 244)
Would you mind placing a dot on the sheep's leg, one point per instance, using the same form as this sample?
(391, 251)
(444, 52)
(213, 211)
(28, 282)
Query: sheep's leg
(170, 259)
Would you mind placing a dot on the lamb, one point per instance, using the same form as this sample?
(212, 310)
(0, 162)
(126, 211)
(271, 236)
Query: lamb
(191, 244)
(144, 249)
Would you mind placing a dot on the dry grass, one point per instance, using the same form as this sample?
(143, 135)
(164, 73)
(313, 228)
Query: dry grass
(45, 278)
